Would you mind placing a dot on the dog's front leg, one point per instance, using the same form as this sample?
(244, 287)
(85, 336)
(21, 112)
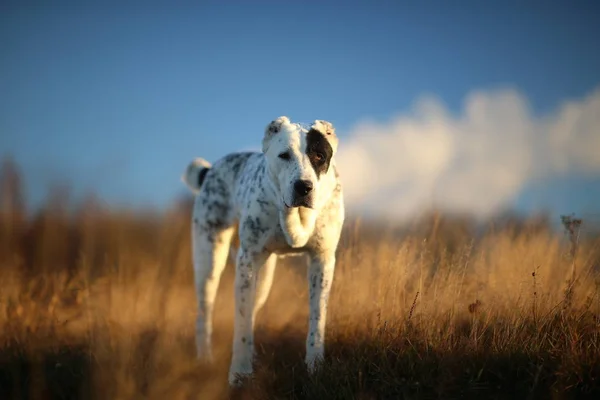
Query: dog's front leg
(320, 278)
(248, 265)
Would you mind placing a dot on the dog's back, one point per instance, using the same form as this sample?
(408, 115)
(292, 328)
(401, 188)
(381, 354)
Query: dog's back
(222, 178)
(227, 169)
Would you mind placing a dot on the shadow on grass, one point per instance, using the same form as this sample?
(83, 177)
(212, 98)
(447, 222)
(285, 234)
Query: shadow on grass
(355, 369)
(62, 373)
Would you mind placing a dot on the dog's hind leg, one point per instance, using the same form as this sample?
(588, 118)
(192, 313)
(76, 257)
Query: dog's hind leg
(263, 284)
(211, 249)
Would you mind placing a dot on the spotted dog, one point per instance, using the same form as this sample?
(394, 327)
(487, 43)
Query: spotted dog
(286, 199)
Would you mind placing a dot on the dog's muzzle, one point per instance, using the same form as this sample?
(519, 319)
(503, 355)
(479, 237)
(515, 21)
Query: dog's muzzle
(302, 194)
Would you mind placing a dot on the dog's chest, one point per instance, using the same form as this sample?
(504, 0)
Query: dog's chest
(277, 243)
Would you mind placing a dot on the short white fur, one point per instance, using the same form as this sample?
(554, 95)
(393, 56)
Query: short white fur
(255, 191)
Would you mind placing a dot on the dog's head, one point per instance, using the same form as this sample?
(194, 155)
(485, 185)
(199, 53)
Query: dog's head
(299, 159)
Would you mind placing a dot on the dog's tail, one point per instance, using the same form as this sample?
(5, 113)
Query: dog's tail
(195, 173)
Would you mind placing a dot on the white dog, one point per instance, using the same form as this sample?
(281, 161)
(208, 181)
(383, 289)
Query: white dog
(287, 199)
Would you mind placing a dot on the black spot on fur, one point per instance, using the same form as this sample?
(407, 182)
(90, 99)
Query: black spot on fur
(273, 128)
(263, 205)
(237, 161)
(319, 151)
(314, 281)
(246, 284)
(256, 229)
(202, 175)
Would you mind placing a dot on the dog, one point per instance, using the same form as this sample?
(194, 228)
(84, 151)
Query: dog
(284, 200)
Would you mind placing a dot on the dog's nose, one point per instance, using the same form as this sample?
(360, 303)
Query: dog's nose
(302, 188)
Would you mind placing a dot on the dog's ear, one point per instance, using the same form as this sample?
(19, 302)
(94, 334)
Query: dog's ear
(327, 129)
(273, 129)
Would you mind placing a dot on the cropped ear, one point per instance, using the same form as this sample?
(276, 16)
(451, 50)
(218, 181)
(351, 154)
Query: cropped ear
(327, 129)
(273, 129)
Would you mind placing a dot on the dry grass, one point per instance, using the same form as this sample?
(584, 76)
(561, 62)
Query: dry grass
(100, 304)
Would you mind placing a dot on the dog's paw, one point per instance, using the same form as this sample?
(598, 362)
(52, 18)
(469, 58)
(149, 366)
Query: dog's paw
(204, 351)
(240, 373)
(312, 362)
(205, 356)
(238, 380)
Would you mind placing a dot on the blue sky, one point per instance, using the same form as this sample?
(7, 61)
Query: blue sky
(117, 100)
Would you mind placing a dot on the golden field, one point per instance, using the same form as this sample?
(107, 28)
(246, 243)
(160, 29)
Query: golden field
(98, 303)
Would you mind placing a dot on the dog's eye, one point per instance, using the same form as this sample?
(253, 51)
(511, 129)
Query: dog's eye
(319, 157)
(284, 156)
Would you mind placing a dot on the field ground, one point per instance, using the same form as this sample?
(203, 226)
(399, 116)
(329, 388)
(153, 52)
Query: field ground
(99, 304)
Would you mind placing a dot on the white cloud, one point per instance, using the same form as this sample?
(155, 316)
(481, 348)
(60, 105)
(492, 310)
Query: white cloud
(478, 161)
